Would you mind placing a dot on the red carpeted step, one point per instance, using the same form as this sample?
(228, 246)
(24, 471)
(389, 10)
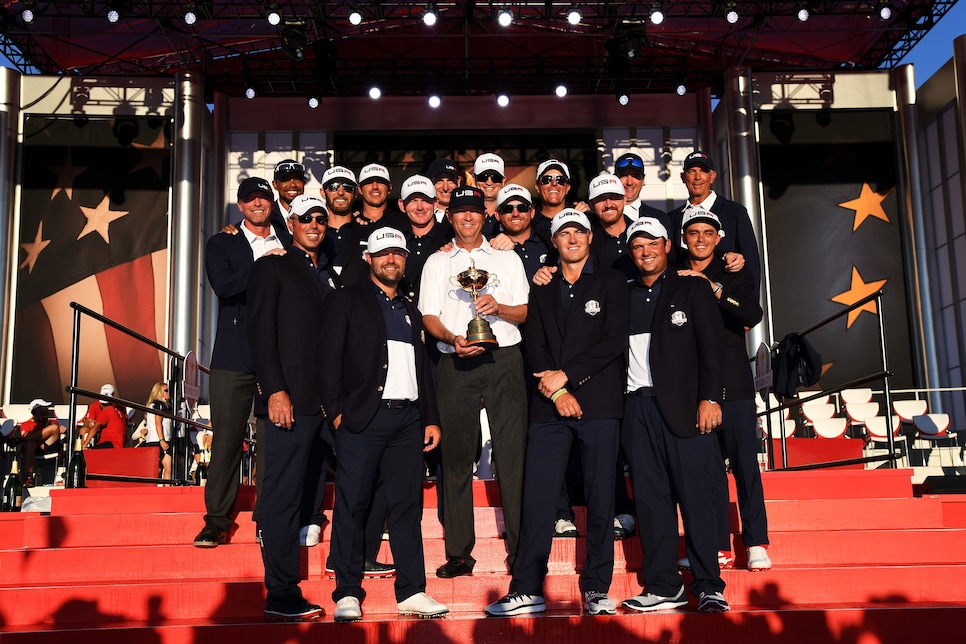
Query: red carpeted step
(954, 509)
(789, 626)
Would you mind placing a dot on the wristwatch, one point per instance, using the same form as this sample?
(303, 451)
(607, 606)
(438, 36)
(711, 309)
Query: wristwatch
(717, 287)
(713, 402)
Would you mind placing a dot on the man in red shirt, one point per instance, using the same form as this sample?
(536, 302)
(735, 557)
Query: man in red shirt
(36, 432)
(104, 421)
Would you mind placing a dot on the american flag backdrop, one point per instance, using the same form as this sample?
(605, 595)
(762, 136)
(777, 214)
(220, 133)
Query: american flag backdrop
(93, 230)
(834, 235)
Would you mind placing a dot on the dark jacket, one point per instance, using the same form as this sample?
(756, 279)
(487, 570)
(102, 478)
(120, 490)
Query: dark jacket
(357, 352)
(686, 351)
(228, 263)
(285, 327)
(588, 344)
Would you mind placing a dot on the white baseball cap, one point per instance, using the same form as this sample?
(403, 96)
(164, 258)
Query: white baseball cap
(384, 239)
(417, 185)
(550, 164)
(513, 191)
(646, 227)
(605, 184)
(568, 217)
(304, 204)
(107, 390)
(489, 161)
(374, 172)
(38, 402)
(340, 173)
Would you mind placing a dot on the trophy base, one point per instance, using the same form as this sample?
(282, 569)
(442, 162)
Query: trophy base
(488, 343)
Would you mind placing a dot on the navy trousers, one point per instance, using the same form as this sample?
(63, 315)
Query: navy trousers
(738, 439)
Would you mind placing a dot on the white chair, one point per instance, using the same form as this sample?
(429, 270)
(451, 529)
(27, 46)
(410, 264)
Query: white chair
(820, 400)
(780, 425)
(852, 396)
(858, 412)
(876, 430)
(909, 409)
(932, 426)
(821, 411)
(830, 427)
(17, 412)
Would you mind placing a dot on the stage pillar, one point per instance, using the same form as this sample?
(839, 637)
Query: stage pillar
(9, 127)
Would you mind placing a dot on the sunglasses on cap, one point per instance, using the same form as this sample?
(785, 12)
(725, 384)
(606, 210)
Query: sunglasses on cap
(559, 179)
(630, 162)
(496, 177)
(506, 209)
(289, 168)
(333, 186)
(307, 219)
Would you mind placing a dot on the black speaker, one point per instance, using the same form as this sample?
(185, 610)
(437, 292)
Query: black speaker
(944, 485)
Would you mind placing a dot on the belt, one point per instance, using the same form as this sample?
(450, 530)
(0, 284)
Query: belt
(396, 404)
(643, 392)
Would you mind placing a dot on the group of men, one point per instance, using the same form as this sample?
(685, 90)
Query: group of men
(351, 333)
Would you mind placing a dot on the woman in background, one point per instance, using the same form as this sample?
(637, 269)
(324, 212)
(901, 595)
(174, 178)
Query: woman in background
(157, 429)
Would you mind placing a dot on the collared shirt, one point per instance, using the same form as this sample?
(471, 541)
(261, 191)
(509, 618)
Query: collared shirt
(420, 249)
(326, 278)
(704, 205)
(440, 295)
(343, 242)
(401, 383)
(633, 210)
(567, 289)
(532, 251)
(607, 248)
(261, 245)
(643, 306)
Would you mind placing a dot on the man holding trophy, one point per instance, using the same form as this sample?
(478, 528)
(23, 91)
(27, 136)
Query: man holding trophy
(473, 298)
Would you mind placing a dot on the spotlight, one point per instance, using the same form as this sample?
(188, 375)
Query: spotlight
(561, 90)
(802, 13)
(293, 41)
(681, 89)
(503, 100)
(27, 15)
(573, 16)
(657, 14)
(505, 17)
(355, 16)
(434, 101)
(623, 98)
(113, 15)
(273, 16)
(375, 93)
(885, 11)
(249, 92)
(190, 17)
(731, 13)
(313, 102)
(429, 15)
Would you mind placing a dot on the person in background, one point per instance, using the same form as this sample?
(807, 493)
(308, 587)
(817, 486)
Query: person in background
(156, 431)
(39, 432)
(105, 423)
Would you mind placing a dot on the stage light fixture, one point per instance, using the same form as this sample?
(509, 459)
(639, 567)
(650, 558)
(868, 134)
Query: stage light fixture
(190, 15)
(249, 92)
(113, 15)
(503, 100)
(273, 16)
(802, 12)
(355, 16)
(313, 102)
(681, 89)
(623, 98)
(505, 17)
(435, 101)
(27, 15)
(573, 16)
(561, 90)
(375, 93)
(731, 13)
(429, 15)
(885, 10)
(657, 13)
(294, 41)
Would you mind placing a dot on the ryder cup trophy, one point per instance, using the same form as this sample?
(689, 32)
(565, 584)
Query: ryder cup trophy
(478, 331)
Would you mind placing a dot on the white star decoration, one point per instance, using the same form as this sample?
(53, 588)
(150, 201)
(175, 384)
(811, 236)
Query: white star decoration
(99, 218)
(34, 249)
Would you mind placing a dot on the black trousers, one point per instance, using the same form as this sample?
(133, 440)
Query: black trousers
(391, 444)
(292, 463)
(496, 380)
(231, 394)
(548, 450)
(669, 471)
(738, 439)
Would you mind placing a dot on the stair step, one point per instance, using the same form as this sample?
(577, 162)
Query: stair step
(233, 599)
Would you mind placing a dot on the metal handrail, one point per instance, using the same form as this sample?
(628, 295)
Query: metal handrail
(884, 374)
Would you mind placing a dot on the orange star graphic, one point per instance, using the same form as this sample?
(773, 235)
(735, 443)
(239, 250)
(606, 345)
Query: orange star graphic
(34, 249)
(858, 290)
(869, 204)
(99, 218)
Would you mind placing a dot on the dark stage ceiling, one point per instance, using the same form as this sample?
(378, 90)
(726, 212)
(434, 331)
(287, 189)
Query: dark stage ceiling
(316, 50)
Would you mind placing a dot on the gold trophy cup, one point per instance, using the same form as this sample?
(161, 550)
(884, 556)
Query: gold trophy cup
(478, 331)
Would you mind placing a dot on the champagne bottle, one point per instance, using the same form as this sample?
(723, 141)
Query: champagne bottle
(13, 490)
(77, 470)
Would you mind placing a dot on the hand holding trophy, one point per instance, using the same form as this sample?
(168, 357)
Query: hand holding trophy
(478, 331)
